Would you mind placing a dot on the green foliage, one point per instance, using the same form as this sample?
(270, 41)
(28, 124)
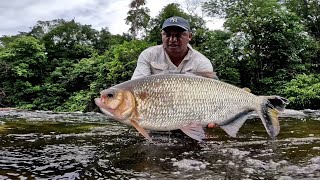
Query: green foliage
(60, 68)
(70, 40)
(44, 27)
(79, 101)
(88, 77)
(105, 40)
(303, 91)
(216, 44)
(71, 82)
(269, 42)
(49, 95)
(268, 46)
(138, 18)
(309, 11)
(122, 60)
(22, 68)
(218, 8)
(5, 40)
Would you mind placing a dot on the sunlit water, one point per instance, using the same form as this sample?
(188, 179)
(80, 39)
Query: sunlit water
(70, 149)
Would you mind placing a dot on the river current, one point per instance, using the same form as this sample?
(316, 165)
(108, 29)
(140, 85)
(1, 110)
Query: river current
(48, 145)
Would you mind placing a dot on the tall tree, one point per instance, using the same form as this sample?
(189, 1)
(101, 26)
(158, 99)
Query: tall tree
(216, 46)
(309, 11)
(70, 40)
(269, 41)
(138, 18)
(22, 70)
(44, 27)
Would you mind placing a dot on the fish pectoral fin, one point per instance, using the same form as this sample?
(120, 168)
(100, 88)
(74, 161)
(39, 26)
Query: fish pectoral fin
(141, 130)
(195, 131)
(233, 127)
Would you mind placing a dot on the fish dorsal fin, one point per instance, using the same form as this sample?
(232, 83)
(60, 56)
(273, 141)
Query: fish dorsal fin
(207, 74)
(233, 127)
(195, 131)
(247, 89)
(141, 130)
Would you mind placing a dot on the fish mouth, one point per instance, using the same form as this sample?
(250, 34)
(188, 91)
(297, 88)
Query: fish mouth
(102, 107)
(99, 102)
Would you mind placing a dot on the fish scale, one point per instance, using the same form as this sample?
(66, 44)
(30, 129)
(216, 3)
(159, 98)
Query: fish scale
(187, 102)
(180, 99)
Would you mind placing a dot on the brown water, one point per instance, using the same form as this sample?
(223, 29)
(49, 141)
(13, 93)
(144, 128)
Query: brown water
(41, 149)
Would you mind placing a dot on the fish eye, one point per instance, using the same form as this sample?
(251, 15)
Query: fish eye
(109, 95)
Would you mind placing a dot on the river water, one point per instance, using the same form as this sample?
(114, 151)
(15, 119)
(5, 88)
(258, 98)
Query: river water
(47, 145)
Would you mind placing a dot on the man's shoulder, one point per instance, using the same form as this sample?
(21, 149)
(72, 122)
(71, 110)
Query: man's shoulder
(152, 53)
(198, 56)
(154, 49)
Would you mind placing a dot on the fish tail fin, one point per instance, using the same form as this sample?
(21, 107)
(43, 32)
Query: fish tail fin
(269, 113)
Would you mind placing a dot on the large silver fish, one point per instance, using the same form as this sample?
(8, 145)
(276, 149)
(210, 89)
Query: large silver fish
(187, 102)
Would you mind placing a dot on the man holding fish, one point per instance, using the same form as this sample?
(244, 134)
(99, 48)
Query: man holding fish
(168, 100)
(175, 55)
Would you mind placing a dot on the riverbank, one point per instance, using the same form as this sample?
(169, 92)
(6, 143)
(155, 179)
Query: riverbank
(12, 113)
(42, 145)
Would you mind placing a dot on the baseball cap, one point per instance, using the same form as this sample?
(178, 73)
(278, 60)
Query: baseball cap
(176, 21)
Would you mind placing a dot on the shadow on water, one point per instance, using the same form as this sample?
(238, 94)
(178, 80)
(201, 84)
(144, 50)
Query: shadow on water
(110, 150)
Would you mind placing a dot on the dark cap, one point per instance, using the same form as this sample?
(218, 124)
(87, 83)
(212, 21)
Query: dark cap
(176, 21)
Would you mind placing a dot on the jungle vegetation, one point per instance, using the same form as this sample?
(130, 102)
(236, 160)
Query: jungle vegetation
(269, 46)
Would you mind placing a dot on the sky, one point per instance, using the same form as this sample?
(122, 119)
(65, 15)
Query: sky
(21, 15)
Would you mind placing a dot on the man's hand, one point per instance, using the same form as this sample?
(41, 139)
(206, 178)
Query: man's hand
(212, 125)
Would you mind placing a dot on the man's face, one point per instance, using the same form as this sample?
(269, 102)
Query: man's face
(175, 39)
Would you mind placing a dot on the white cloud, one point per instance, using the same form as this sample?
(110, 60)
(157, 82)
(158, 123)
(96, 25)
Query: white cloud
(20, 15)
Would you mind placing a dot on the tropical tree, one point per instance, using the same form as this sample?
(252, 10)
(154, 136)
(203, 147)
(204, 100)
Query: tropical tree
(138, 18)
(123, 59)
(91, 75)
(270, 44)
(309, 11)
(303, 91)
(105, 40)
(22, 70)
(43, 27)
(70, 40)
(216, 46)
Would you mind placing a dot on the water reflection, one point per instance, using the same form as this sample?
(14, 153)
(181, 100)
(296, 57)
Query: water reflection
(60, 150)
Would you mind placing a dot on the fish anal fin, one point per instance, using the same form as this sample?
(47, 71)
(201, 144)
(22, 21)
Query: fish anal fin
(235, 124)
(141, 130)
(195, 131)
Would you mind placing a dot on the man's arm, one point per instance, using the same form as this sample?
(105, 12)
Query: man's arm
(143, 67)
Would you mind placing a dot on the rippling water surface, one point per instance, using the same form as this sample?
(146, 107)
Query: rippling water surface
(61, 149)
